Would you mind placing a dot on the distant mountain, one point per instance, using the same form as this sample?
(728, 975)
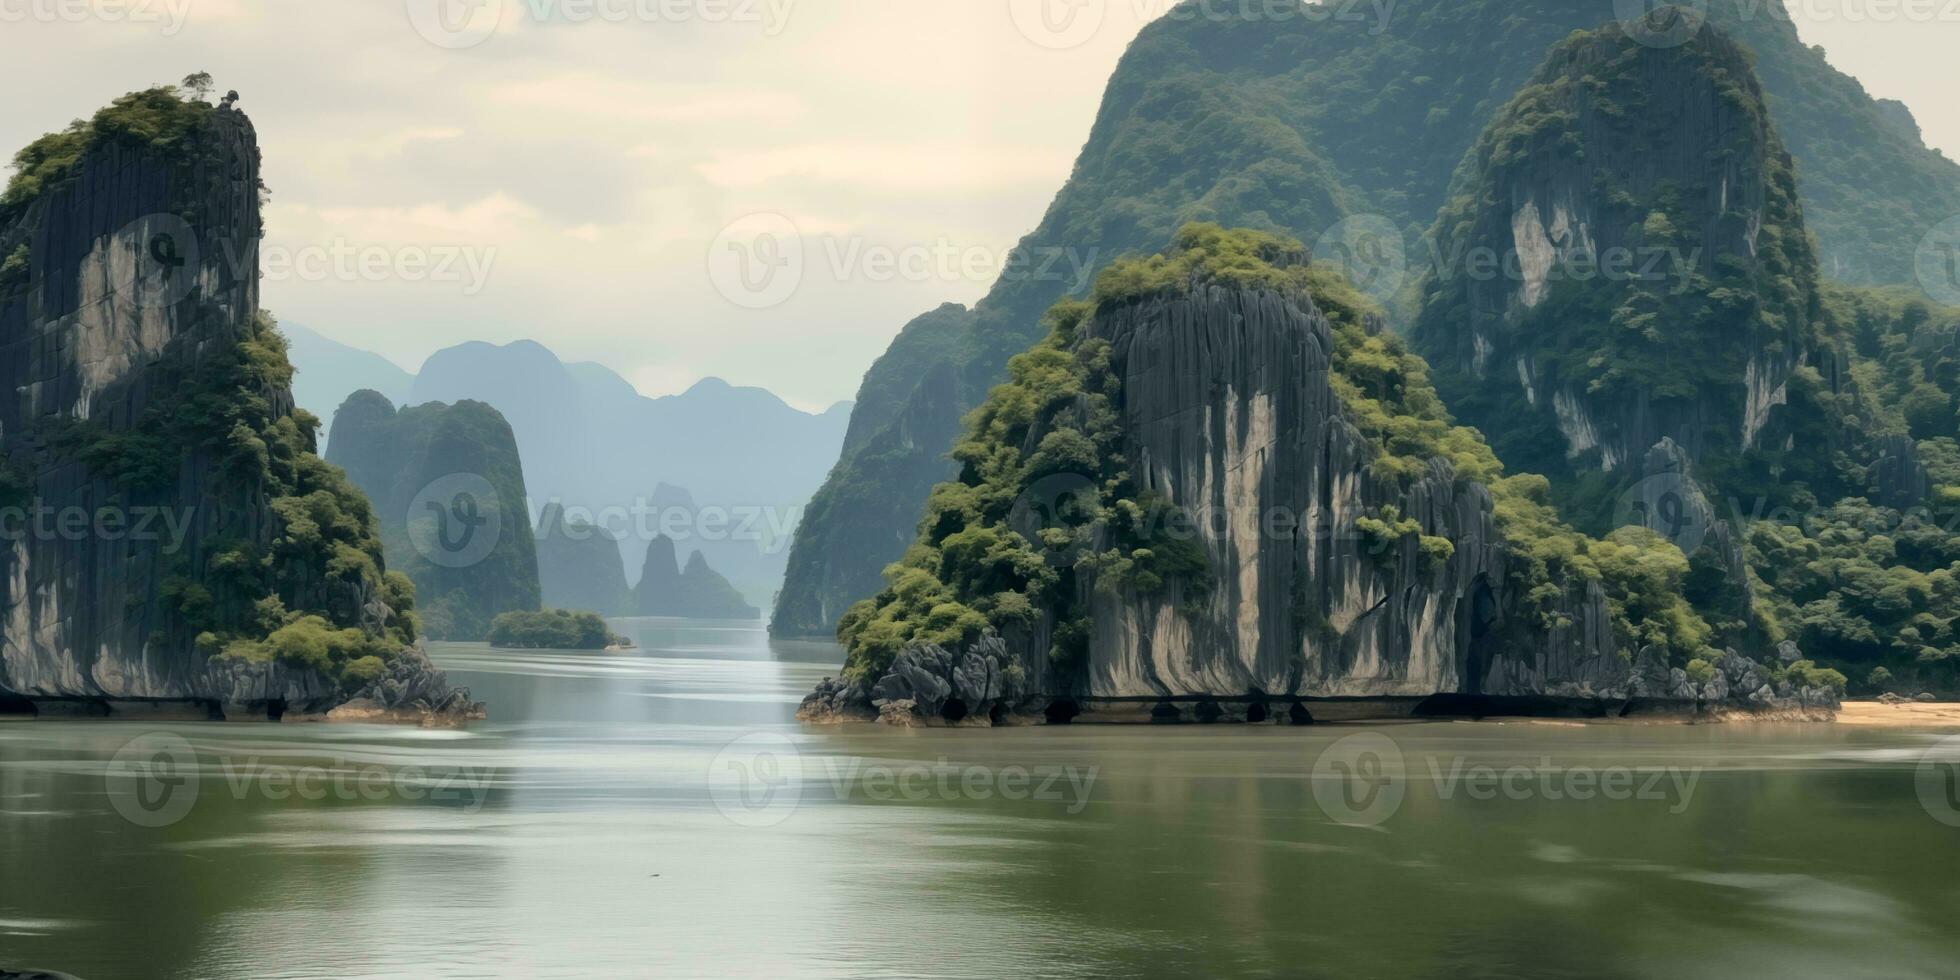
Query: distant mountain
(696, 591)
(579, 566)
(730, 468)
(448, 496)
(327, 371)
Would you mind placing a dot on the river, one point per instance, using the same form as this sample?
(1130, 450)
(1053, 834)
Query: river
(659, 814)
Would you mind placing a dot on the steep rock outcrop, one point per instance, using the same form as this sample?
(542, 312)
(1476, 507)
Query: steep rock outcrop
(695, 591)
(449, 498)
(579, 566)
(147, 391)
(1653, 276)
(1205, 488)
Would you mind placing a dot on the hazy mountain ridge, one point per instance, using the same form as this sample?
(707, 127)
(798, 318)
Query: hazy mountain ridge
(326, 371)
(593, 444)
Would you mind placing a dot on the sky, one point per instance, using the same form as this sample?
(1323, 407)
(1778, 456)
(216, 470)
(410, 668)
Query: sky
(763, 191)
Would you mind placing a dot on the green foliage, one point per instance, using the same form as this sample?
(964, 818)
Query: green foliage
(1241, 258)
(553, 629)
(158, 118)
(310, 642)
(1803, 673)
(1906, 358)
(1861, 587)
(273, 600)
(14, 269)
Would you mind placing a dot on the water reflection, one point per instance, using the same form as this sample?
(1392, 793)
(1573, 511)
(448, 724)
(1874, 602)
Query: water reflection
(587, 839)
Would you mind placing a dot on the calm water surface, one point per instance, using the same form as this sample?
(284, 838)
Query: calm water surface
(658, 814)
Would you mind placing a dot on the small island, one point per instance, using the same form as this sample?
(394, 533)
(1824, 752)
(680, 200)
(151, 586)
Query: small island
(553, 629)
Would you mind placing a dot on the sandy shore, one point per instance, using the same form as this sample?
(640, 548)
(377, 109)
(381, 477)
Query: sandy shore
(1913, 715)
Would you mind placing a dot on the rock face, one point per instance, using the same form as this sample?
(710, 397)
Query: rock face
(1284, 146)
(1669, 501)
(579, 566)
(981, 683)
(1591, 339)
(134, 314)
(1228, 412)
(695, 591)
(78, 614)
(448, 493)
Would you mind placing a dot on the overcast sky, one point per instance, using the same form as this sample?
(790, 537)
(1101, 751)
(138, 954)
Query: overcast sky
(551, 170)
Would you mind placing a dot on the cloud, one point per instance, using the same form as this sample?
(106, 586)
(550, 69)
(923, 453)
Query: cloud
(588, 95)
(890, 165)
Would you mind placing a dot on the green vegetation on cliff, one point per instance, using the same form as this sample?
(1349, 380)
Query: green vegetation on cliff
(1700, 354)
(299, 597)
(158, 118)
(975, 566)
(1907, 358)
(1705, 292)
